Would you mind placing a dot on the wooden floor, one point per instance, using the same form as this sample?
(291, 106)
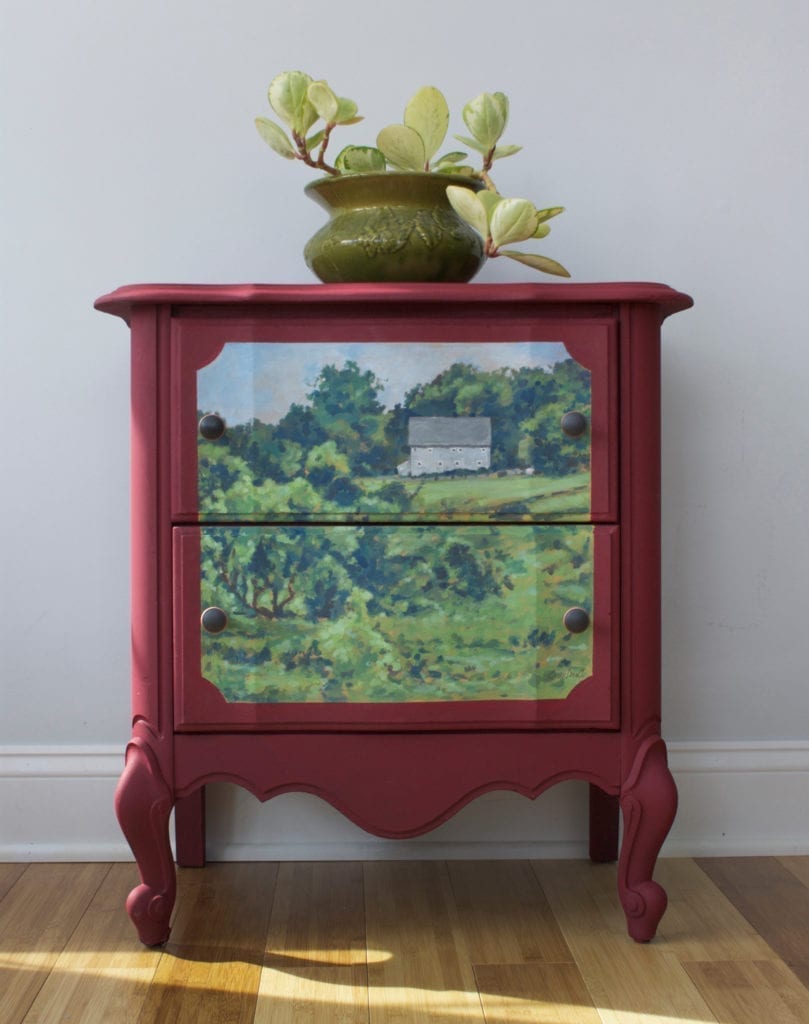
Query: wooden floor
(449, 943)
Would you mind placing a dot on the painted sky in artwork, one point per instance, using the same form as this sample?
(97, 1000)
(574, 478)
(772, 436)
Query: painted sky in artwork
(259, 381)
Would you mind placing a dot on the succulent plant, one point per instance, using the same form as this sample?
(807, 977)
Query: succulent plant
(302, 103)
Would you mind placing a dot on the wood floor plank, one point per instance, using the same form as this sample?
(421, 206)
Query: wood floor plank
(700, 923)
(37, 917)
(103, 974)
(315, 962)
(9, 874)
(311, 995)
(318, 916)
(752, 993)
(772, 899)
(211, 968)
(534, 992)
(798, 866)
(504, 914)
(627, 981)
(419, 969)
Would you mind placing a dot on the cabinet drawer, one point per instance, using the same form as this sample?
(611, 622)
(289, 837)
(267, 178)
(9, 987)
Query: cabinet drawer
(396, 626)
(270, 428)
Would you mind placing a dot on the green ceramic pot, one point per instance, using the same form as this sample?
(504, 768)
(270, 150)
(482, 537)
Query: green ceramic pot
(392, 227)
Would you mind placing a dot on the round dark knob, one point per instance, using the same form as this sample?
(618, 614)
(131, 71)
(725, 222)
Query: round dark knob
(213, 620)
(211, 427)
(576, 620)
(574, 424)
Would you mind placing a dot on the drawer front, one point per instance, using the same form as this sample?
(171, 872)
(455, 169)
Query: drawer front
(412, 626)
(519, 429)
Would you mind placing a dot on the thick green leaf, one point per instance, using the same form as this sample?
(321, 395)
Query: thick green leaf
(450, 158)
(502, 100)
(530, 259)
(458, 169)
(346, 111)
(551, 211)
(428, 114)
(275, 137)
(513, 220)
(485, 117)
(359, 160)
(324, 101)
(466, 204)
(472, 143)
(314, 140)
(489, 200)
(403, 147)
(288, 98)
(501, 152)
(542, 231)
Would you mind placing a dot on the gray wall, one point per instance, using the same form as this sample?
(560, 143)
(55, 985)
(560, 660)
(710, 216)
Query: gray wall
(676, 136)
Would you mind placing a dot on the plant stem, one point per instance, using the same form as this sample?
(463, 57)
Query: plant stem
(322, 152)
(488, 160)
(487, 181)
(304, 154)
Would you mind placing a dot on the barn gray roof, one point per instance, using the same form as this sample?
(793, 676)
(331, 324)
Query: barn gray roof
(440, 431)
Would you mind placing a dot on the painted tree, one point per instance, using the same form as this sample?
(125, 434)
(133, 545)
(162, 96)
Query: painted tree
(279, 573)
(346, 407)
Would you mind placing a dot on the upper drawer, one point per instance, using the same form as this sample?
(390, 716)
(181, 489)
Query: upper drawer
(393, 422)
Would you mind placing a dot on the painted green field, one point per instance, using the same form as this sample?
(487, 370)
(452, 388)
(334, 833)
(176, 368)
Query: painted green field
(475, 613)
(480, 498)
(500, 496)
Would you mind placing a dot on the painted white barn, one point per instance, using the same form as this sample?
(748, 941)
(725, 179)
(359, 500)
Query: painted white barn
(441, 444)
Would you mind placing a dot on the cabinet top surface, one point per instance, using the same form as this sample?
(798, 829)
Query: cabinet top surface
(123, 301)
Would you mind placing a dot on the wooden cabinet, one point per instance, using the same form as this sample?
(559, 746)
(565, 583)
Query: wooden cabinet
(395, 546)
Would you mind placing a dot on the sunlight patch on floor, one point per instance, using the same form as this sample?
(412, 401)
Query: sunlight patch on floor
(332, 957)
(127, 966)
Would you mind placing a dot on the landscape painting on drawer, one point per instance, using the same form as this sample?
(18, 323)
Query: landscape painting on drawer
(393, 431)
(336, 614)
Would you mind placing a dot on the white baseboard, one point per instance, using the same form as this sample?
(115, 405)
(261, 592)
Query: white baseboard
(736, 799)
(740, 799)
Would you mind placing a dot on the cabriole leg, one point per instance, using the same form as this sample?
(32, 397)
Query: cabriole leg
(648, 803)
(142, 804)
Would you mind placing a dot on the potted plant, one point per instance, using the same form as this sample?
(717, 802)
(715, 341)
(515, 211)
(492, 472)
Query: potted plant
(400, 212)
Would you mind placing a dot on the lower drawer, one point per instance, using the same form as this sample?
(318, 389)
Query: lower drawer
(395, 627)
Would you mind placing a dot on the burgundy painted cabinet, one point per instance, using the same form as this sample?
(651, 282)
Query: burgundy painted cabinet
(395, 546)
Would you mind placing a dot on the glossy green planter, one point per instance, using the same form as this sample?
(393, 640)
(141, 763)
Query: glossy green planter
(392, 227)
